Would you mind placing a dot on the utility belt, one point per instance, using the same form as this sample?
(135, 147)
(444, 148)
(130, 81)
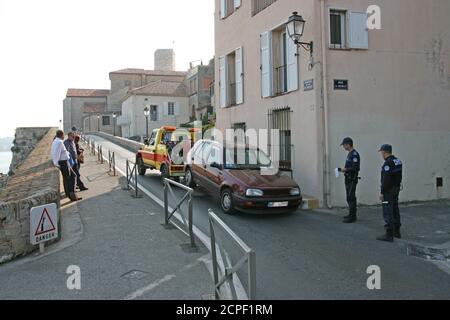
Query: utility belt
(352, 178)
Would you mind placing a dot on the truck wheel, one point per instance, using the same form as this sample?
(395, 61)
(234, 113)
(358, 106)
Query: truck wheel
(226, 201)
(189, 178)
(141, 167)
(164, 173)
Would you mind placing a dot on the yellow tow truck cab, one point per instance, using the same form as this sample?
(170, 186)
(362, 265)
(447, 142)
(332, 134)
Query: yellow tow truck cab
(156, 153)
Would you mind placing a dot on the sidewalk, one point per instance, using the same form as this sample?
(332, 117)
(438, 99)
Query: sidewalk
(425, 230)
(121, 247)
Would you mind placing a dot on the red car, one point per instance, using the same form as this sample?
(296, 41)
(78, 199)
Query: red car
(234, 175)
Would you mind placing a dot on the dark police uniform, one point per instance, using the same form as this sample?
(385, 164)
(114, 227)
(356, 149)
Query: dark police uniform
(391, 180)
(352, 166)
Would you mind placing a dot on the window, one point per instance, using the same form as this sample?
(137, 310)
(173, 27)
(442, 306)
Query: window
(231, 75)
(215, 156)
(227, 7)
(193, 86)
(281, 119)
(279, 63)
(348, 30)
(152, 139)
(260, 5)
(154, 113)
(337, 29)
(106, 120)
(171, 109)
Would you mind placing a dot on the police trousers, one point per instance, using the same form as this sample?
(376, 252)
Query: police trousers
(350, 189)
(391, 211)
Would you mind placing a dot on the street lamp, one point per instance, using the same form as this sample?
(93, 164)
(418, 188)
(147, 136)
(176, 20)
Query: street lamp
(146, 114)
(114, 123)
(295, 27)
(98, 123)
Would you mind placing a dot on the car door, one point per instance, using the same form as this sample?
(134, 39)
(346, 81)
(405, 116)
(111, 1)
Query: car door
(148, 154)
(199, 162)
(214, 175)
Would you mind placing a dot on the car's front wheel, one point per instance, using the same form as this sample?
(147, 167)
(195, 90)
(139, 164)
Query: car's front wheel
(141, 167)
(226, 201)
(189, 178)
(164, 173)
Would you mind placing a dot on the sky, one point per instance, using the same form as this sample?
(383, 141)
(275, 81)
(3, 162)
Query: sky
(48, 46)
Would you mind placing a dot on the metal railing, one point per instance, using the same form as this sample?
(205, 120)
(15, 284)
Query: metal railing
(132, 179)
(100, 154)
(112, 163)
(225, 276)
(188, 225)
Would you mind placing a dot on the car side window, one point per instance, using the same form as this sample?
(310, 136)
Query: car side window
(204, 152)
(152, 140)
(214, 156)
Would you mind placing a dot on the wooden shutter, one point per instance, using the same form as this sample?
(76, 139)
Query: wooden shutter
(239, 76)
(266, 64)
(358, 34)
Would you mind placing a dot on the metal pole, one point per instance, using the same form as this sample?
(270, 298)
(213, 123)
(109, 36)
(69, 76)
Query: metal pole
(190, 218)
(252, 275)
(128, 178)
(166, 203)
(214, 258)
(114, 163)
(146, 131)
(135, 180)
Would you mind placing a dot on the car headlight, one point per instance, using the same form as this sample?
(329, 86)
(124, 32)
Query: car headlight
(254, 193)
(295, 192)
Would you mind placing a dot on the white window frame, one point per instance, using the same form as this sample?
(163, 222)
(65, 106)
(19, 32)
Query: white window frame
(170, 105)
(224, 88)
(344, 28)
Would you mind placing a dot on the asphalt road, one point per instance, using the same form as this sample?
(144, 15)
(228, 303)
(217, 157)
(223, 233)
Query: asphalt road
(312, 255)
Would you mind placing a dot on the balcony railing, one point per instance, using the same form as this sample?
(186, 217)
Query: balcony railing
(260, 5)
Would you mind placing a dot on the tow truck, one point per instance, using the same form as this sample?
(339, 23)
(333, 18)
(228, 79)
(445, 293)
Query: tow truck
(156, 154)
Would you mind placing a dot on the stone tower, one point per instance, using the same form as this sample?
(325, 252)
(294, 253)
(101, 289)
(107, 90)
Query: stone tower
(165, 60)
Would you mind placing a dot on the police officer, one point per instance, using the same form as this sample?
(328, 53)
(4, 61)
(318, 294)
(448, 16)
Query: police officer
(351, 172)
(391, 179)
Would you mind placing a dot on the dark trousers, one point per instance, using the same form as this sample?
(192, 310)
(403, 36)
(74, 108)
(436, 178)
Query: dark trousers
(76, 170)
(350, 189)
(68, 178)
(391, 211)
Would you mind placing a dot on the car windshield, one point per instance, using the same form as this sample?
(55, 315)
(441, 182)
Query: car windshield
(175, 136)
(248, 158)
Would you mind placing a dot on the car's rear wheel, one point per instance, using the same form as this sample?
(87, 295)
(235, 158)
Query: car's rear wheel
(226, 201)
(189, 178)
(141, 167)
(164, 173)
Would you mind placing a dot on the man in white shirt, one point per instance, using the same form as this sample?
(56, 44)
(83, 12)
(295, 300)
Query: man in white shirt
(60, 158)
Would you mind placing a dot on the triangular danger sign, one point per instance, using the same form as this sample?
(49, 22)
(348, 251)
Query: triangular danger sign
(45, 224)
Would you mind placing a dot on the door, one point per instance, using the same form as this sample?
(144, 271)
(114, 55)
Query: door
(214, 176)
(199, 163)
(149, 152)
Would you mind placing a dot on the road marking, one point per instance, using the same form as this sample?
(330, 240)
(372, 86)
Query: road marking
(151, 286)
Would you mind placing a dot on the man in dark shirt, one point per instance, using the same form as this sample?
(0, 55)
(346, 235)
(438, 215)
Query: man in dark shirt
(391, 180)
(351, 172)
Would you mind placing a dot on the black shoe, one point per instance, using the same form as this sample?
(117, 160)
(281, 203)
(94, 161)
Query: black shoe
(84, 189)
(397, 233)
(387, 237)
(349, 219)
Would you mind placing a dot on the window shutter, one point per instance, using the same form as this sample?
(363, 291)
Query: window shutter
(266, 64)
(223, 8)
(177, 109)
(239, 76)
(223, 81)
(166, 108)
(158, 113)
(358, 34)
(292, 65)
(237, 4)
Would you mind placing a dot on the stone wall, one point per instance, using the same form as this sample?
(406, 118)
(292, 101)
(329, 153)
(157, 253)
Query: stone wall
(130, 145)
(35, 182)
(25, 141)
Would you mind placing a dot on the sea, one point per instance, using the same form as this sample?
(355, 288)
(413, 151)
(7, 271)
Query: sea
(5, 161)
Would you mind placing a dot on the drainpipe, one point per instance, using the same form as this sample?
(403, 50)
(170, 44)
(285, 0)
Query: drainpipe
(326, 180)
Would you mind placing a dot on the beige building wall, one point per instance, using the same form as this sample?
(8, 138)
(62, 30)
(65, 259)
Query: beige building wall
(399, 93)
(73, 108)
(134, 121)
